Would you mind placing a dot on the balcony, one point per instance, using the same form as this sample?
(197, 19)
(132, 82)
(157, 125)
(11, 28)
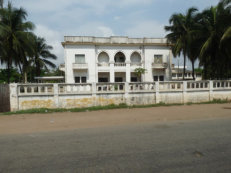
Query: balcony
(160, 66)
(136, 64)
(120, 64)
(80, 66)
(103, 64)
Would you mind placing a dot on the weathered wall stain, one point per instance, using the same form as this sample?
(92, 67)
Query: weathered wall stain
(86, 102)
(28, 104)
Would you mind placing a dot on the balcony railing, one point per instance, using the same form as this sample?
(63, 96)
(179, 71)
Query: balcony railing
(160, 66)
(103, 64)
(136, 64)
(120, 64)
(80, 66)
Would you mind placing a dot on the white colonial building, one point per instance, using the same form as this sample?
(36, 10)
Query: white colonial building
(114, 59)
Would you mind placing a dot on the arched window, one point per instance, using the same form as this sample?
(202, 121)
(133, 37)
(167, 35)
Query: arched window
(103, 59)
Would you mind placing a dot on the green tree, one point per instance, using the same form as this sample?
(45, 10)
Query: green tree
(139, 72)
(181, 29)
(215, 54)
(15, 75)
(42, 56)
(15, 34)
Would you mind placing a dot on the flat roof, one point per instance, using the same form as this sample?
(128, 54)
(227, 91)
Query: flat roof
(115, 40)
(49, 78)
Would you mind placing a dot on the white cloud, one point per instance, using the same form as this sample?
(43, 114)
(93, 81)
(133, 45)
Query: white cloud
(106, 31)
(146, 29)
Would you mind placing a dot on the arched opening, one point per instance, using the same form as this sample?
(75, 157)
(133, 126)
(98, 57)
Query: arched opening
(103, 59)
(119, 59)
(135, 59)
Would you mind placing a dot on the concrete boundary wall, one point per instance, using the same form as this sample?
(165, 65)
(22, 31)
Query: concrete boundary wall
(28, 96)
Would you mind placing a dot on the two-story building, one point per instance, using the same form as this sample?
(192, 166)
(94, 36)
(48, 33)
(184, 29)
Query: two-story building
(114, 59)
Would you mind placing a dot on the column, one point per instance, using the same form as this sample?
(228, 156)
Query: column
(128, 71)
(112, 72)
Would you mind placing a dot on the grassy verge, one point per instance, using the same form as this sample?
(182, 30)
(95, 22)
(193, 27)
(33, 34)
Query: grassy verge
(120, 106)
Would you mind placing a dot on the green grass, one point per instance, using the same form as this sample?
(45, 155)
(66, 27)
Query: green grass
(108, 107)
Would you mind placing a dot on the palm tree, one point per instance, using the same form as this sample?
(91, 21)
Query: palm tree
(14, 35)
(181, 33)
(215, 52)
(42, 55)
(1, 3)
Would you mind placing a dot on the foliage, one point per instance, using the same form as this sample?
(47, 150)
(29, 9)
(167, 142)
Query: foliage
(20, 47)
(181, 30)
(139, 71)
(15, 76)
(205, 36)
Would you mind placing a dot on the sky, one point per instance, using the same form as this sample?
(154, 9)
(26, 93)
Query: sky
(55, 19)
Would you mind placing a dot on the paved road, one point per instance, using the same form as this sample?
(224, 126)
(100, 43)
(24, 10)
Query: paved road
(177, 146)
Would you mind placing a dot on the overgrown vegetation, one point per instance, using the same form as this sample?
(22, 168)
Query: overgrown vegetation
(205, 36)
(20, 48)
(108, 107)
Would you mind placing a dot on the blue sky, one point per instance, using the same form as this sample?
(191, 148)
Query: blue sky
(134, 18)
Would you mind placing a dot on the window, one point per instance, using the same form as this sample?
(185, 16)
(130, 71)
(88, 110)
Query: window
(174, 75)
(180, 74)
(83, 79)
(158, 78)
(80, 59)
(118, 79)
(103, 79)
(134, 79)
(161, 78)
(155, 78)
(79, 79)
(158, 59)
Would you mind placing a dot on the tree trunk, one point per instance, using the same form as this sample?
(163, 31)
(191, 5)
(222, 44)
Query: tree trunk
(193, 74)
(25, 77)
(184, 66)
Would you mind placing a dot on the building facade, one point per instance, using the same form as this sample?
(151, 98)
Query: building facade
(114, 59)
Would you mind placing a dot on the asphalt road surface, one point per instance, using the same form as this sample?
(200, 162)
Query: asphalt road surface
(175, 146)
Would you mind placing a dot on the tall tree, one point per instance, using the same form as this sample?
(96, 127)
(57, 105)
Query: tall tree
(1, 3)
(180, 33)
(15, 32)
(215, 54)
(42, 55)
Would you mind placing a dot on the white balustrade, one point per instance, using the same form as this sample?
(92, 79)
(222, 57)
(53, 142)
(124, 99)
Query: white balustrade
(136, 64)
(110, 87)
(142, 87)
(198, 85)
(222, 84)
(171, 86)
(35, 89)
(83, 88)
(103, 64)
(120, 64)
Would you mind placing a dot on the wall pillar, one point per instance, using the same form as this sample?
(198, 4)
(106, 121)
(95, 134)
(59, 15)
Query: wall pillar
(14, 105)
(184, 91)
(56, 95)
(210, 90)
(157, 92)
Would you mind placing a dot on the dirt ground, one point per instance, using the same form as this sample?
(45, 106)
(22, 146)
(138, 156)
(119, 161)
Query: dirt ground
(31, 123)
